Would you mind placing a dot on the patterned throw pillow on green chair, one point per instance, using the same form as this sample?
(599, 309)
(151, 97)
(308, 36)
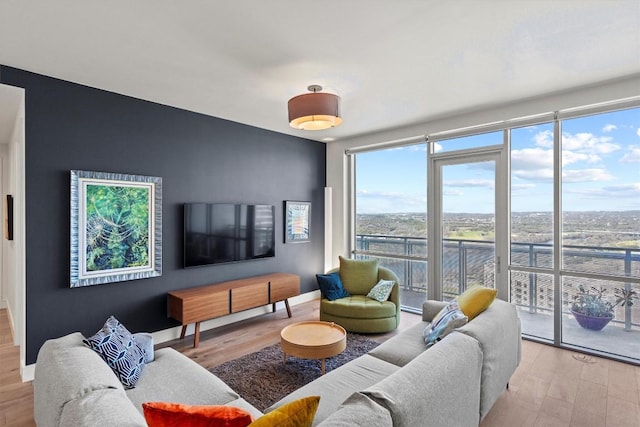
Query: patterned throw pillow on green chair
(382, 290)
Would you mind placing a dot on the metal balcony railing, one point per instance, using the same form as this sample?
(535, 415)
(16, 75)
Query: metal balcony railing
(470, 262)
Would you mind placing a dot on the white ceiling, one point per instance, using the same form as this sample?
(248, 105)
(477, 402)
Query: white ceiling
(394, 63)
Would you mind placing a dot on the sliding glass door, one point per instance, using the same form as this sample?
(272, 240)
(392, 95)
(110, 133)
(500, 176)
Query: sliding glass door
(467, 207)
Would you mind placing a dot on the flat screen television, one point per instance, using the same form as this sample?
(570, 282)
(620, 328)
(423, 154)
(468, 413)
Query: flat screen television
(217, 233)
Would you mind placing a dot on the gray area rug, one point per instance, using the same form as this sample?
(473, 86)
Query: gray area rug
(262, 379)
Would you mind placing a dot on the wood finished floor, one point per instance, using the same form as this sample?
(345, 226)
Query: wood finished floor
(551, 387)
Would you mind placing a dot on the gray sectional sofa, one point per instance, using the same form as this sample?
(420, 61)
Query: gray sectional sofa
(454, 383)
(400, 383)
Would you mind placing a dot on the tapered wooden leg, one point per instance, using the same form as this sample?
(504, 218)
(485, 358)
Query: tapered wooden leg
(286, 304)
(196, 336)
(322, 369)
(184, 331)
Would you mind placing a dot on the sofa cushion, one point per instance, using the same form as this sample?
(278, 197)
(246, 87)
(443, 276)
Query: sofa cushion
(381, 290)
(359, 307)
(297, 413)
(106, 407)
(402, 348)
(449, 318)
(440, 387)
(116, 345)
(166, 414)
(331, 286)
(173, 377)
(335, 386)
(475, 300)
(66, 369)
(359, 410)
(358, 276)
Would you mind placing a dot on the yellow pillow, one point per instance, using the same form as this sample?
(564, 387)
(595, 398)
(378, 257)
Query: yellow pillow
(298, 413)
(475, 300)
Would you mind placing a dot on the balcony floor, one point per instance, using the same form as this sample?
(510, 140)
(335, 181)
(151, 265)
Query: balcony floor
(613, 339)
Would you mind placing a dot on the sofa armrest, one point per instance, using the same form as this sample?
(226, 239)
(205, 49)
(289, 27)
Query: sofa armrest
(497, 330)
(430, 308)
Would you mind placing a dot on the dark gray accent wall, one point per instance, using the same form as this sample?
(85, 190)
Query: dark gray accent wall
(200, 159)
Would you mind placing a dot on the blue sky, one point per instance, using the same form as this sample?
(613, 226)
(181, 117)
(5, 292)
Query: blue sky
(601, 170)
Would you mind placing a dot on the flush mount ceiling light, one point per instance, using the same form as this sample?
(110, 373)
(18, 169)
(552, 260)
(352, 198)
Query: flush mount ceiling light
(314, 111)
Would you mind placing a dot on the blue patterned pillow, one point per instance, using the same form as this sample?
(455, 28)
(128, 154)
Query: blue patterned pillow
(331, 286)
(382, 290)
(447, 319)
(115, 344)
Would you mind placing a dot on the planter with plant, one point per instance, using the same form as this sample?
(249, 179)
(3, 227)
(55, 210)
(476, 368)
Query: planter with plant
(592, 311)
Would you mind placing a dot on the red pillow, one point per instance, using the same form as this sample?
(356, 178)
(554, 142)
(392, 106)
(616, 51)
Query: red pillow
(161, 414)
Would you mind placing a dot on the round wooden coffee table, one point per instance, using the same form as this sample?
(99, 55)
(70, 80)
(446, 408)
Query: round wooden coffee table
(313, 340)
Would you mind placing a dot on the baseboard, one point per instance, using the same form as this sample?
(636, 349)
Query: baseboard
(27, 372)
(3, 304)
(12, 326)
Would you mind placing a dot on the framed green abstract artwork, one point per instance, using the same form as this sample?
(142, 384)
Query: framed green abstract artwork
(116, 227)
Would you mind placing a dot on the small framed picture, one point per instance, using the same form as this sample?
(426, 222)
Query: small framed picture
(297, 221)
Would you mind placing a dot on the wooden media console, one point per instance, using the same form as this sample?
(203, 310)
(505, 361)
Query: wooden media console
(194, 305)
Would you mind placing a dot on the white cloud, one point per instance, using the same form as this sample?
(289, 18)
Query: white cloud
(569, 157)
(624, 190)
(538, 175)
(588, 143)
(533, 164)
(437, 147)
(586, 175)
(638, 132)
(617, 192)
(631, 156)
(453, 192)
(384, 201)
(531, 158)
(470, 183)
(583, 142)
(609, 128)
(544, 139)
(520, 187)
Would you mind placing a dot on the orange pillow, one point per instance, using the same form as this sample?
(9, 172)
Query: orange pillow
(298, 413)
(161, 414)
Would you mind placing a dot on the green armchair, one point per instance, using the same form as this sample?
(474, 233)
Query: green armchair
(358, 313)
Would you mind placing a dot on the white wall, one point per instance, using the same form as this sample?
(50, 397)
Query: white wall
(337, 163)
(12, 255)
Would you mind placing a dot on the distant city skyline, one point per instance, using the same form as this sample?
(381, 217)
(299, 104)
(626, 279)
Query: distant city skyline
(601, 170)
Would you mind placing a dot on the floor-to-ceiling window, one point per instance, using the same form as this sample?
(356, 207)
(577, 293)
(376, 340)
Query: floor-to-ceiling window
(390, 215)
(600, 245)
(532, 205)
(572, 206)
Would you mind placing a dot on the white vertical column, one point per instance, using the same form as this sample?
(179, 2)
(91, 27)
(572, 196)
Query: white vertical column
(328, 229)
